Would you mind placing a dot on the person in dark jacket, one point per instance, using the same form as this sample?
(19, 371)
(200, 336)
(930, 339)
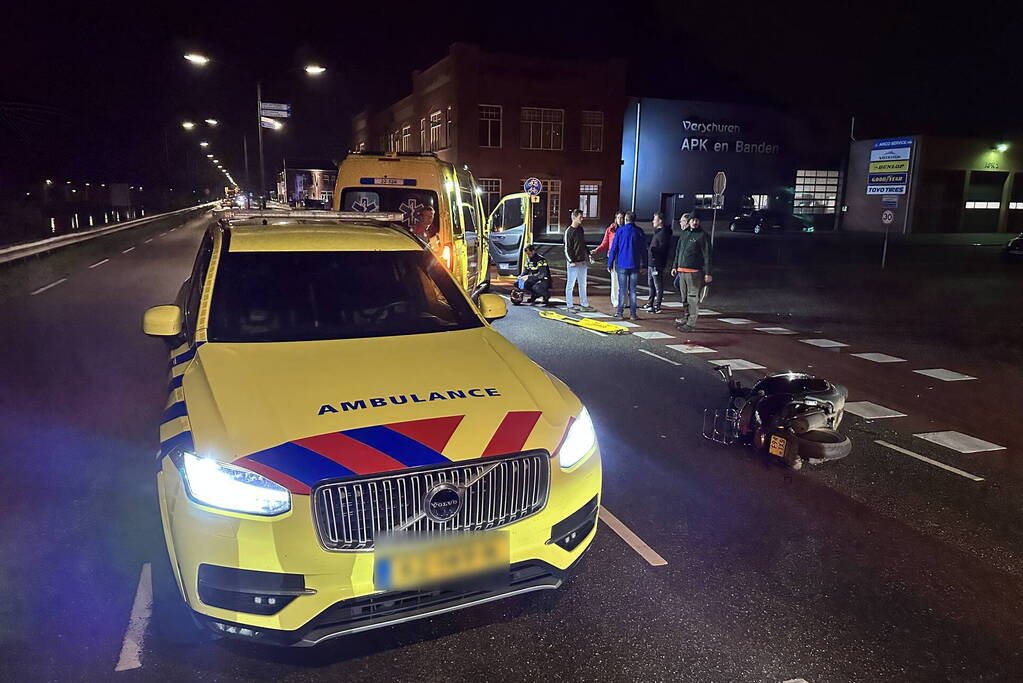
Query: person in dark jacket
(577, 260)
(628, 257)
(658, 256)
(692, 266)
(536, 276)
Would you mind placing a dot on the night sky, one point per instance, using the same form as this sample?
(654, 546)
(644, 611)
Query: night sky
(97, 90)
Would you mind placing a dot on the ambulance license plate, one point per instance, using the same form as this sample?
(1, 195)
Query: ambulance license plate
(410, 565)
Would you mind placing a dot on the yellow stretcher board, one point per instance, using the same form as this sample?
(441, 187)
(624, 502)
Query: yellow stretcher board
(589, 324)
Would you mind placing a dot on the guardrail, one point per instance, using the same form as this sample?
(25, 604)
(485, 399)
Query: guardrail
(19, 251)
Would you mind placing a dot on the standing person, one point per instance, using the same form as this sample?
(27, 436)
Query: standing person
(692, 258)
(577, 260)
(658, 254)
(627, 256)
(605, 246)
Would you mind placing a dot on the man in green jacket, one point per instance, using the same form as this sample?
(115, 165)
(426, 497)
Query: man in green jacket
(692, 266)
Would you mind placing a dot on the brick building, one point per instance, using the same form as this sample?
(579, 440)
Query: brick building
(509, 118)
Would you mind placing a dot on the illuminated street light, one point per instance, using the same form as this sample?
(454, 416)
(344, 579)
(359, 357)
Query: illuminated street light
(271, 123)
(197, 59)
(315, 69)
(1002, 146)
(204, 144)
(49, 182)
(212, 122)
(209, 156)
(187, 125)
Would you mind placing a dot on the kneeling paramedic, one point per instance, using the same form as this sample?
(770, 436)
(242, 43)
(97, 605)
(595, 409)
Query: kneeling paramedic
(536, 276)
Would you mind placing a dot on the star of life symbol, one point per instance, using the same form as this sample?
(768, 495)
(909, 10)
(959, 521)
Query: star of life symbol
(364, 205)
(410, 210)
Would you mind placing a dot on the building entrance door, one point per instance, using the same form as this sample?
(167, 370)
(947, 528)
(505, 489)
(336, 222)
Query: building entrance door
(672, 206)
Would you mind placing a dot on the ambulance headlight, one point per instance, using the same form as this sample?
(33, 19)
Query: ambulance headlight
(225, 486)
(579, 441)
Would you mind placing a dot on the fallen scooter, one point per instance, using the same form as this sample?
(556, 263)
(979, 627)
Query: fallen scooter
(791, 416)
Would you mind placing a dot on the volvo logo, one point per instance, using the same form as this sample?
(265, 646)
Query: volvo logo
(442, 502)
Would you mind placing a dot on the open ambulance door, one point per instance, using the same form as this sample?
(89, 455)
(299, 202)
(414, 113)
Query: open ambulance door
(511, 228)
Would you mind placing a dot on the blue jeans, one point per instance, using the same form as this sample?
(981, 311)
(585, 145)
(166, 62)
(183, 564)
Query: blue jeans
(576, 273)
(628, 278)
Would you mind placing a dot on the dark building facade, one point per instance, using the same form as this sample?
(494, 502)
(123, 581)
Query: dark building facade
(772, 159)
(302, 180)
(510, 118)
(951, 185)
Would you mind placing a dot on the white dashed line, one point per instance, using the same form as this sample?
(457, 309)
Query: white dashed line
(871, 411)
(691, 348)
(666, 360)
(775, 330)
(163, 234)
(125, 251)
(736, 321)
(671, 304)
(634, 541)
(594, 314)
(706, 311)
(45, 287)
(924, 458)
(879, 357)
(823, 343)
(149, 240)
(599, 334)
(957, 441)
(135, 635)
(944, 375)
(738, 364)
(99, 263)
(652, 335)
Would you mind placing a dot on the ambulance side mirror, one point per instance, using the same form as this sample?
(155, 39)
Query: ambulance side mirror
(164, 321)
(492, 306)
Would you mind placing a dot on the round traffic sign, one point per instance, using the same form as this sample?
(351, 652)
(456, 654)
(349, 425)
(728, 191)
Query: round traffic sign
(887, 216)
(533, 186)
(720, 182)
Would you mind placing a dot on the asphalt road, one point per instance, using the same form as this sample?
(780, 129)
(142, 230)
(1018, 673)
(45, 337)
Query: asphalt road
(879, 567)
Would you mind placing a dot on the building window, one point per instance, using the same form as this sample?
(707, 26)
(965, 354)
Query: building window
(327, 196)
(406, 138)
(422, 135)
(490, 192)
(815, 192)
(543, 128)
(758, 201)
(589, 198)
(703, 201)
(490, 125)
(1016, 206)
(435, 126)
(593, 131)
(988, 205)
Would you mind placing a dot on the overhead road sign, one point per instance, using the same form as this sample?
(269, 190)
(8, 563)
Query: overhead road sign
(277, 110)
(275, 105)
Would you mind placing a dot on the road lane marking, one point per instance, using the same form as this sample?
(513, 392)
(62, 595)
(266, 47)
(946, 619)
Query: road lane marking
(149, 240)
(944, 375)
(879, 357)
(634, 541)
(141, 611)
(652, 335)
(599, 334)
(162, 234)
(127, 250)
(666, 360)
(924, 458)
(45, 287)
(594, 314)
(736, 321)
(738, 364)
(775, 330)
(871, 411)
(705, 311)
(823, 343)
(99, 263)
(957, 441)
(691, 348)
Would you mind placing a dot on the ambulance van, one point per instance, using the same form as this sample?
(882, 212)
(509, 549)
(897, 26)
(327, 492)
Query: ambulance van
(414, 183)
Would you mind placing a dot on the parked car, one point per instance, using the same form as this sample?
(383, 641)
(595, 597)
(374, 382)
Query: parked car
(758, 221)
(1014, 249)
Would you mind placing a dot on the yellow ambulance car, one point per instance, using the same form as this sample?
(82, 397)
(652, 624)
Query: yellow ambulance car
(347, 443)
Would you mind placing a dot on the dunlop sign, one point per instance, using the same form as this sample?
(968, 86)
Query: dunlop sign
(888, 170)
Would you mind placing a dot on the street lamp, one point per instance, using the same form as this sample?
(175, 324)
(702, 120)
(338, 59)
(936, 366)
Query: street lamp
(1002, 146)
(204, 144)
(197, 59)
(315, 69)
(212, 122)
(187, 125)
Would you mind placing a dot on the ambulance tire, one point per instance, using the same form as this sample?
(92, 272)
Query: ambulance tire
(821, 445)
(172, 619)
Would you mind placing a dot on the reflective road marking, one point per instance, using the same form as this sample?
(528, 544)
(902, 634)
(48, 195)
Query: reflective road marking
(691, 348)
(871, 411)
(99, 263)
(957, 441)
(45, 287)
(736, 321)
(652, 335)
(127, 250)
(879, 357)
(141, 610)
(739, 364)
(924, 458)
(775, 330)
(651, 353)
(634, 541)
(944, 375)
(823, 343)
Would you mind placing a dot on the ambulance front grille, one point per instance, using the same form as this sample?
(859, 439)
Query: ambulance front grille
(349, 515)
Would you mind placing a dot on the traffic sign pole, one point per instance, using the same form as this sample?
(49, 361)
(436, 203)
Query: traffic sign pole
(887, 218)
(720, 182)
(259, 127)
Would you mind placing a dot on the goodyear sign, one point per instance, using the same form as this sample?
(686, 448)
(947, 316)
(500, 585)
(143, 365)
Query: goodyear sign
(888, 170)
